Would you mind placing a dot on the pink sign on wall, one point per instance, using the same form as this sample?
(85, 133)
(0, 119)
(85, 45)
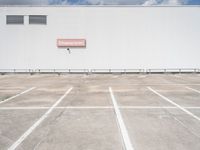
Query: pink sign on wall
(71, 43)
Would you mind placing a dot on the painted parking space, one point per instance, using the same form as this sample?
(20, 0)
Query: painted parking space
(39, 97)
(162, 129)
(149, 114)
(138, 96)
(6, 93)
(76, 129)
(182, 96)
(13, 123)
(88, 96)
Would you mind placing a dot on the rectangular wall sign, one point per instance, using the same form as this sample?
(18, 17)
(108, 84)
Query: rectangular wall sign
(71, 43)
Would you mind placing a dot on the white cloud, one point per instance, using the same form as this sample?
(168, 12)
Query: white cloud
(165, 2)
(172, 2)
(150, 2)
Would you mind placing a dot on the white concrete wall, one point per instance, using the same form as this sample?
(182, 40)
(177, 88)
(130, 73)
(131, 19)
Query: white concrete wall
(117, 37)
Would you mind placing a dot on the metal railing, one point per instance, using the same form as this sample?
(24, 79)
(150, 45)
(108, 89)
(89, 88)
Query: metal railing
(122, 71)
(174, 70)
(99, 71)
(43, 71)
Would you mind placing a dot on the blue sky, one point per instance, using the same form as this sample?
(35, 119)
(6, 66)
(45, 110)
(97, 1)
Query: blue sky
(100, 2)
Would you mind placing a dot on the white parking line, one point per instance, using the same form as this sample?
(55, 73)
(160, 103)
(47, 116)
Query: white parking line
(37, 123)
(193, 89)
(170, 101)
(10, 98)
(95, 107)
(123, 130)
(67, 107)
(146, 107)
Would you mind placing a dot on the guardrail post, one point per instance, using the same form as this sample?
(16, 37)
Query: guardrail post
(195, 71)
(92, 70)
(165, 70)
(179, 71)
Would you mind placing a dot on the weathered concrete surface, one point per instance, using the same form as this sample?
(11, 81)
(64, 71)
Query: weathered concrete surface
(86, 120)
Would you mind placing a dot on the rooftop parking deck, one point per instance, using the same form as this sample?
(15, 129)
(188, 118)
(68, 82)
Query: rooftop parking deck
(100, 112)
